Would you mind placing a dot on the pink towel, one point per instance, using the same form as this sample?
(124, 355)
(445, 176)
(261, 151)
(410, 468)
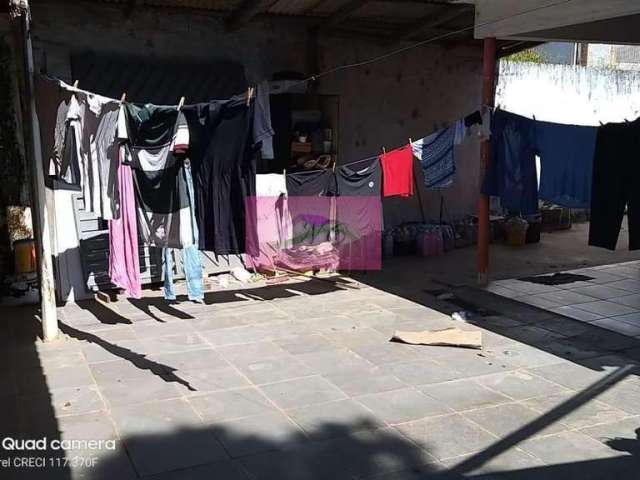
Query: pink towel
(124, 264)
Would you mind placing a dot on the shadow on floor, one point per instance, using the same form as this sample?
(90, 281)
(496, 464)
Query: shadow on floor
(139, 360)
(586, 344)
(313, 286)
(24, 388)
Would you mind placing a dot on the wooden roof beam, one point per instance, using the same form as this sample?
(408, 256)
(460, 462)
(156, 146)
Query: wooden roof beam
(429, 22)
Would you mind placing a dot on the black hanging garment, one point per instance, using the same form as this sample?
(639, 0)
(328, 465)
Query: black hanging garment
(616, 185)
(157, 136)
(223, 158)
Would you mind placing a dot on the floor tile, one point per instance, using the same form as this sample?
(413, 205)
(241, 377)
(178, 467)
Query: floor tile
(565, 297)
(628, 300)
(190, 360)
(298, 465)
(577, 314)
(513, 461)
(224, 469)
(603, 292)
(605, 308)
(65, 401)
(423, 371)
(209, 380)
(373, 452)
(258, 434)
(330, 361)
(305, 344)
(441, 436)
(334, 419)
(173, 343)
(507, 419)
(384, 353)
(618, 325)
(567, 447)
(591, 413)
(463, 395)
(302, 392)
(537, 301)
(631, 286)
(35, 381)
(404, 405)
(265, 362)
(165, 435)
(623, 396)
(632, 318)
(136, 390)
(569, 375)
(231, 405)
(622, 435)
(361, 381)
(519, 384)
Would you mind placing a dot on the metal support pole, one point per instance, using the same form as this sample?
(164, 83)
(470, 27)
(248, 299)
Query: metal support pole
(21, 29)
(488, 99)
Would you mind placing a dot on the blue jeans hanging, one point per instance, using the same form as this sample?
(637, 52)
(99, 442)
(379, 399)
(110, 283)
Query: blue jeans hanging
(191, 259)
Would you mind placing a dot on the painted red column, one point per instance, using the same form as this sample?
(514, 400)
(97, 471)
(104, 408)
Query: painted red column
(488, 98)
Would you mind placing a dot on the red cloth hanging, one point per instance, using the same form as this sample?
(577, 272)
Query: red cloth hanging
(397, 169)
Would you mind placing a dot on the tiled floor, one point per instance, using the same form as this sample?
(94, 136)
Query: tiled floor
(301, 382)
(609, 299)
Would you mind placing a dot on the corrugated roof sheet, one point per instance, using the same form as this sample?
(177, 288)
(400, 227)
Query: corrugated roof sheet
(386, 15)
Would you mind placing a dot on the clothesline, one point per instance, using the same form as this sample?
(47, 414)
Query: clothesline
(373, 157)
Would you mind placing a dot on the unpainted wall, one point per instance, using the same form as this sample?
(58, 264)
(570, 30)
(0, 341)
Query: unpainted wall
(14, 177)
(382, 104)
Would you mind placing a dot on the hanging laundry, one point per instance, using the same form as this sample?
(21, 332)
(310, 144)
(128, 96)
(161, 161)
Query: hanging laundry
(511, 174)
(616, 185)
(82, 150)
(124, 263)
(477, 124)
(57, 108)
(358, 225)
(191, 257)
(262, 130)
(100, 151)
(310, 205)
(566, 163)
(156, 137)
(223, 160)
(316, 183)
(359, 180)
(397, 170)
(272, 230)
(435, 153)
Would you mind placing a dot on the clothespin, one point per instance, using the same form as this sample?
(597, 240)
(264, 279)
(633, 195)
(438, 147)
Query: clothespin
(76, 83)
(284, 172)
(601, 124)
(249, 95)
(384, 150)
(123, 98)
(181, 103)
(410, 141)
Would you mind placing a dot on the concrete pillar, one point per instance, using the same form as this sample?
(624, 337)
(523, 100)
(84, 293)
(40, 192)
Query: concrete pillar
(21, 31)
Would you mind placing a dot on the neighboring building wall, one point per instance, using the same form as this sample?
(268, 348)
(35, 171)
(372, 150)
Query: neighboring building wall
(14, 178)
(569, 94)
(382, 104)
